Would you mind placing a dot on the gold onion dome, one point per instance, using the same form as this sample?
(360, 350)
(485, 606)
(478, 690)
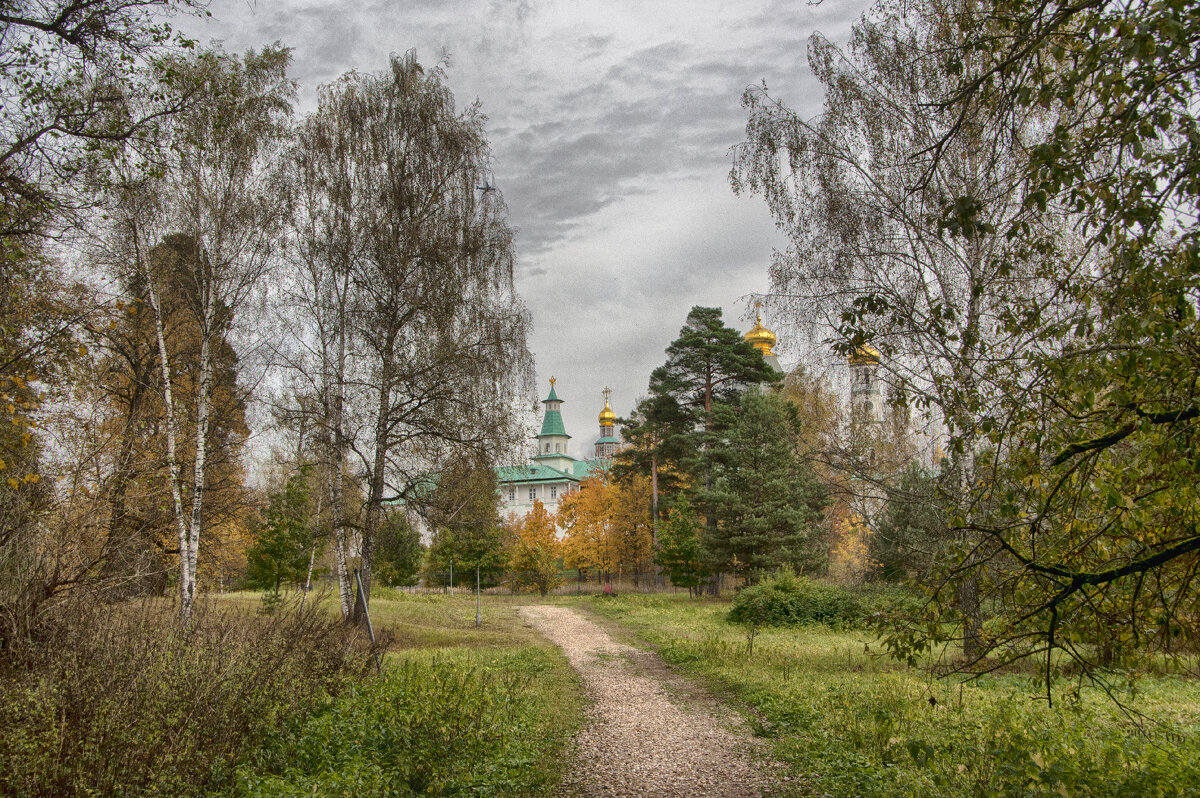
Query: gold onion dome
(607, 416)
(761, 338)
(864, 356)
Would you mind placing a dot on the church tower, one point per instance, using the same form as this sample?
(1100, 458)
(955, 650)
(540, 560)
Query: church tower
(866, 398)
(607, 443)
(552, 440)
(763, 340)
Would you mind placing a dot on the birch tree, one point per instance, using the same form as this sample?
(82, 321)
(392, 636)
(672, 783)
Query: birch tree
(324, 197)
(209, 182)
(420, 347)
(66, 67)
(1092, 518)
(867, 260)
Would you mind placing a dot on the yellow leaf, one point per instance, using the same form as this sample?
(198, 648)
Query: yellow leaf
(12, 483)
(82, 350)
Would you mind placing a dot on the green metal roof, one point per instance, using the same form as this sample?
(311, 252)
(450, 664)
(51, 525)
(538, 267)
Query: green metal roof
(607, 439)
(553, 397)
(532, 473)
(590, 468)
(552, 424)
(551, 456)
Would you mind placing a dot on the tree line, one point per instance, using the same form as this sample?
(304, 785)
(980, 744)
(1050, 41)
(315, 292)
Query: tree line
(176, 244)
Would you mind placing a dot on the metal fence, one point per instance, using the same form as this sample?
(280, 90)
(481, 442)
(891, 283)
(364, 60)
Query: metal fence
(563, 583)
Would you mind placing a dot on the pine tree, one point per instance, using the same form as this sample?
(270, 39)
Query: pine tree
(911, 526)
(464, 512)
(709, 363)
(765, 499)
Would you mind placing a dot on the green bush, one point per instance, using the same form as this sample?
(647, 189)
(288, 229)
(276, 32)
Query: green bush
(125, 700)
(789, 600)
(440, 726)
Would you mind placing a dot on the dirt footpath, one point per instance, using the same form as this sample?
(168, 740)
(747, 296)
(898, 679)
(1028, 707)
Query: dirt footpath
(649, 732)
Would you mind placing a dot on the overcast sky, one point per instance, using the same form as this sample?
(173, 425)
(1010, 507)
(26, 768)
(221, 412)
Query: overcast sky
(611, 125)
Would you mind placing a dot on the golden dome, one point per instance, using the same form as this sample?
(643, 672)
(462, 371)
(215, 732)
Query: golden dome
(759, 336)
(864, 356)
(607, 416)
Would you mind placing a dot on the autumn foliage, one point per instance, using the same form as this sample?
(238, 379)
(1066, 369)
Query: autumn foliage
(607, 526)
(535, 550)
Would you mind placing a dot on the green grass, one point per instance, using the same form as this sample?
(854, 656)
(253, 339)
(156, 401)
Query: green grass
(459, 710)
(852, 723)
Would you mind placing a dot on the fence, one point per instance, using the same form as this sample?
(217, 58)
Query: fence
(563, 583)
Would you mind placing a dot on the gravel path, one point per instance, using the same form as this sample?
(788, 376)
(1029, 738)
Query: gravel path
(649, 732)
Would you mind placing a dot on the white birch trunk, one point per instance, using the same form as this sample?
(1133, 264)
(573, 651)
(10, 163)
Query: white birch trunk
(186, 572)
(203, 413)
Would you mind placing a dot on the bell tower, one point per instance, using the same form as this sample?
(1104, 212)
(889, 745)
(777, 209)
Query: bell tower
(607, 444)
(552, 440)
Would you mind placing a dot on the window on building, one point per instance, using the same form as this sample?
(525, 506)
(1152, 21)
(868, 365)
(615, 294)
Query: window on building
(532, 492)
(558, 448)
(553, 492)
(547, 447)
(512, 494)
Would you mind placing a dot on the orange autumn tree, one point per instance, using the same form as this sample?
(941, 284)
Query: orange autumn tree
(608, 526)
(536, 549)
(588, 516)
(634, 524)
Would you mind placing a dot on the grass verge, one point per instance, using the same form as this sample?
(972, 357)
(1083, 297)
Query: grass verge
(459, 710)
(851, 723)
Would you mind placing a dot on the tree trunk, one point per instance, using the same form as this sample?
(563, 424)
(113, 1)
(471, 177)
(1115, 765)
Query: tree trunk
(186, 575)
(378, 467)
(968, 604)
(203, 412)
(654, 499)
(334, 379)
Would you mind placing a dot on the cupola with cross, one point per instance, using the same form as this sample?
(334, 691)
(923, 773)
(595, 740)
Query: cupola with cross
(763, 339)
(607, 444)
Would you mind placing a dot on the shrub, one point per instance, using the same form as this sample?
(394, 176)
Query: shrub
(445, 726)
(789, 600)
(124, 700)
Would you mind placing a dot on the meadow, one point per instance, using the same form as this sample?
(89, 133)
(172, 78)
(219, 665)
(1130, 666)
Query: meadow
(122, 700)
(850, 722)
(252, 704)
(459, 710)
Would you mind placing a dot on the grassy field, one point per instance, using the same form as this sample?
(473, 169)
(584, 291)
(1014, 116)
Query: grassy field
(855, 724)
(460, 710)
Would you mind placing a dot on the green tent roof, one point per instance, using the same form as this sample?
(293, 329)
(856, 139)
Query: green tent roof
(552, 424)
(553, 397)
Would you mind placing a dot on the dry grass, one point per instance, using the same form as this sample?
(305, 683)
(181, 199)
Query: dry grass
(123, 699)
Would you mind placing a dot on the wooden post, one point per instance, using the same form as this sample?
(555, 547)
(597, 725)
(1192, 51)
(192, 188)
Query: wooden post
(362, 601)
